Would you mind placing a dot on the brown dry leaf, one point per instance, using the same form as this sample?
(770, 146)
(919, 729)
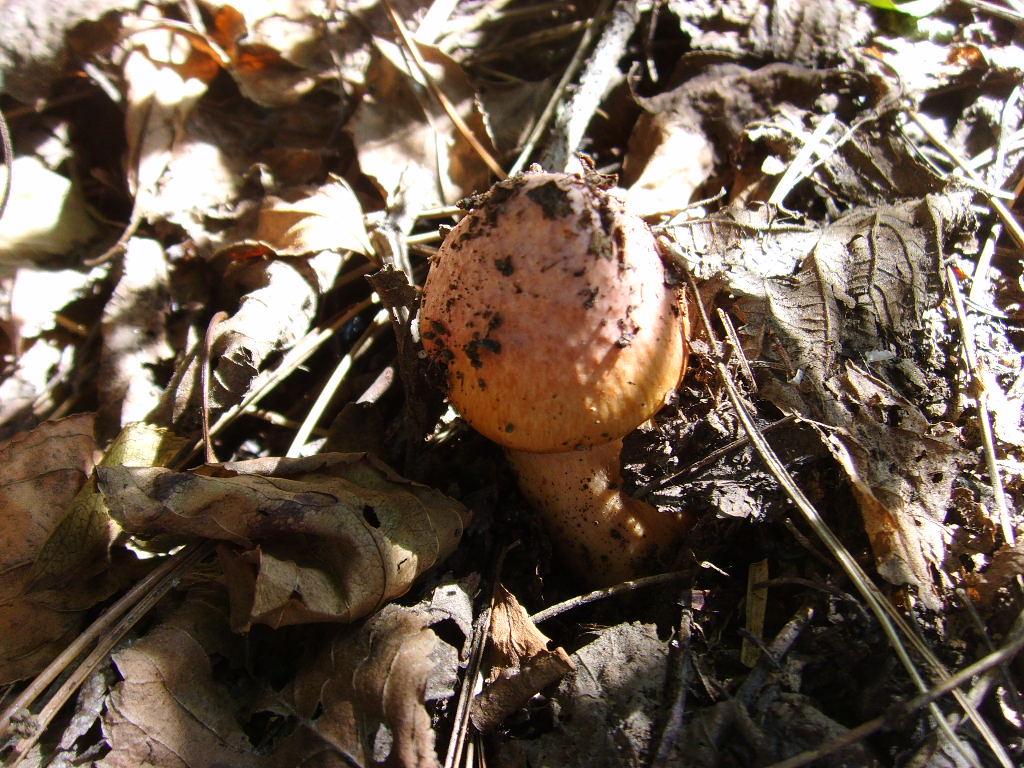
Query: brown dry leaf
(278, 48)
(169, 711)
(179, 168)
(404, 139)
(373, 679)
(80, 542)
(42, 471)
(326, 538)
(328, 218)
(520, 661)
(1007, 564)
(279, 301)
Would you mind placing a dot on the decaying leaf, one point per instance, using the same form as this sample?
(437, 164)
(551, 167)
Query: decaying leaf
(609, 707)
(328, 538)
(404, 139)
(365, 695)
(1007, 564)
(42, 470)
(169, 711)
(520, 661)
(861, 291)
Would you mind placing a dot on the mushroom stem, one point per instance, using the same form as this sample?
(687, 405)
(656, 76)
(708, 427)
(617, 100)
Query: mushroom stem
(604, 535)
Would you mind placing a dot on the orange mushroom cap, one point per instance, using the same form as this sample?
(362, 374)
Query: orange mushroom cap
(550, 311)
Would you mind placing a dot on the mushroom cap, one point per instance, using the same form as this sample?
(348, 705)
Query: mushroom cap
(549, 309)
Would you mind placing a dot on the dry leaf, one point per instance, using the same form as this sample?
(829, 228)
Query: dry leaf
(373, 679)
(134, 337)
(404, 139)
(80, 542)
(279, 302)
(861, 292)
(45, 214)
(520, 661)
(609, 708)
(328, 538)
(1007, 564)
(329, 218)
(42, 471)
(169, 711)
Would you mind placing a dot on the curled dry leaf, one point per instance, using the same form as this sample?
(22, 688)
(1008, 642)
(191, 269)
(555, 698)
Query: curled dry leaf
(328, 538)
(279, 301)
(42, 471)
(371, 678)
(81, 540)
(520, 661)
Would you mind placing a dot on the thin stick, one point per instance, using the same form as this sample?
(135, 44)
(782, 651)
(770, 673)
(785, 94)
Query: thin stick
(8, 148)
(204, 380)
(601, 594)
(575, 115)
(380, 321)
(439, 95)
(571, 69)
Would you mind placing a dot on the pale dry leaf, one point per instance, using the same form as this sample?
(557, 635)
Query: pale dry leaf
(42, 472)
(183, 164)
(45, 215)
(372, 679)
(404, 139)
(328, 218)
(38, 295)
(520, 661)
(328, 538)
(135, 343)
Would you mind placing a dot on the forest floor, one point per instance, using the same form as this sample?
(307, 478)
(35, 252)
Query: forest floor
(242, 526)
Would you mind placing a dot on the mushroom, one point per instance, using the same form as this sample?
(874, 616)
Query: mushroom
(549, 311)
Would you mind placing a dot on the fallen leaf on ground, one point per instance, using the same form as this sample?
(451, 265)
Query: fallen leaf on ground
(42, 471)
(328, 538)
(520, 661)
(405, 140)
(365, 694)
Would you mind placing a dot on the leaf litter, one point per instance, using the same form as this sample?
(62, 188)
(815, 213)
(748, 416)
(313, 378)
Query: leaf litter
(841, 182)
